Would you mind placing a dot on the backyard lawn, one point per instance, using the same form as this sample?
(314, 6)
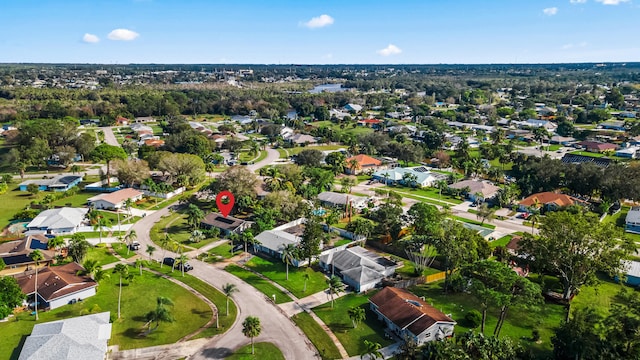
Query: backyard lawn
(503, 241)
(338, 321)
(276, 271)
(518, 325)
(10, 203)
(262, 351)
(317, 335)
(264, 286)
(190, 314)
(77, 200)
(101, 254)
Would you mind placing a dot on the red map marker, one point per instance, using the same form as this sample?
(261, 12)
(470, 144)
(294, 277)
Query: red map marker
(225, 201)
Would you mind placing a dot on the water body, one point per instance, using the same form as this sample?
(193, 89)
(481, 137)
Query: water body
(327, 88)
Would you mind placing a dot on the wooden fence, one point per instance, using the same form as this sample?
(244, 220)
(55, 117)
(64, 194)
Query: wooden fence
(434, 277)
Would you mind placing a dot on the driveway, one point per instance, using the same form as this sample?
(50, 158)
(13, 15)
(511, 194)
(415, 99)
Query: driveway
(109, 137)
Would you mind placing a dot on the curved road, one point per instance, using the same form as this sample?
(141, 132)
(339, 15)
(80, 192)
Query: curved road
(276, 326)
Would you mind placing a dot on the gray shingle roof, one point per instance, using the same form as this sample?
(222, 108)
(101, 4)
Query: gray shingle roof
(83, 337)
(276, 240)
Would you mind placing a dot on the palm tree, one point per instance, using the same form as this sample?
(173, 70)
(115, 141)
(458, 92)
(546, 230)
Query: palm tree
(101, 223)
(372, 350)
(150, 250)
(196, 236)
(128, 204)
(533, 219)
(164, 243)
(139, 263)
(246, 237)
(90, 267)
(194, 216)
(353, 165)
(335, 286)
(306, 277)
(75, 168)
(228, 290)
(356, 314)
(130, 238)
(56, 243)
(251, 328)
(161, 313)
(441, 185)
(183, 262)
(288, 255)
(36, 256)
(123, 271)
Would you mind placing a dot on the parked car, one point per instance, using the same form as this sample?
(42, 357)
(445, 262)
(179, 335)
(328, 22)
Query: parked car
(169, 261)
(134, 246)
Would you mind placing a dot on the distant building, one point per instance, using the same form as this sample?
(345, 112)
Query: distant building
(78, 338)
(418, 176)
(549, 200)
(632, 272)
(596, 146)
(364, 163)
(476, 187)
(628, 153)
(58, 183)
(353, 107)
(632, 221)
(272, 242)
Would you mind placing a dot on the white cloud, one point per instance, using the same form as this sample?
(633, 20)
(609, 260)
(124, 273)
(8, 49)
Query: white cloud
(389, 50)
(90, 38)
(550, 11)
(572, 46)
(612, 2)
(122, 35)
(577, 1)
(319, 21)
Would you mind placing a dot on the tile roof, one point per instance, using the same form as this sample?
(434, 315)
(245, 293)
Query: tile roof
(117, 196)
(548, 197)
(57, 281)
(406, 310)
(364, 160)
(83, 337)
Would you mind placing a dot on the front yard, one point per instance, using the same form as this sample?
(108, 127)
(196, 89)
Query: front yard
(175, 224)
(264, 286)
(276, 271)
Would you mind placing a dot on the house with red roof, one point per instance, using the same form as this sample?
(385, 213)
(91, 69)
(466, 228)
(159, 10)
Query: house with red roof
(597, 146)
(361, 163)
(405, 314)
(549, 200)
(369, 122)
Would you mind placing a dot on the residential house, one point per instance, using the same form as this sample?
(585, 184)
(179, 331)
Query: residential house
(617, 125)
(417, 176)
(227, 225)
(272, 242)
(335, 199)
(364, 162)
(58, 183)
(372, 123)
(15, 254)
(578, 159)
(408, 316)
(115, 200)
(562, 140)
(535, 123)
(550, 201)
(597, 146)
(58, 285)
(632, 221)
(628, 153)
(82, 337)
(64, 220)
(477, 190)
(631, 272)
(301, 139)
(156, 143)
(353, 107)
(359, 268)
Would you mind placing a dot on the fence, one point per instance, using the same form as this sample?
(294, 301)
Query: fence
(435, 277)
(168, 195)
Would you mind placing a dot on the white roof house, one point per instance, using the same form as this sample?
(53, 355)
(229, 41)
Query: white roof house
(272, 242)
(422, 175)
(83, 337)
(359, 268)
(57, 221)
(340, 199)
(115, 200)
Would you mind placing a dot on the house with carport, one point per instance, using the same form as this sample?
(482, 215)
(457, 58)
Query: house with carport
(115, 200)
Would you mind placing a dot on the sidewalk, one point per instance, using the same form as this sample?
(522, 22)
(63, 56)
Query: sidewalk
(307, 303)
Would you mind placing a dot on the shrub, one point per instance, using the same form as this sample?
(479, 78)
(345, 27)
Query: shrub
(474, 318)
(535, 335)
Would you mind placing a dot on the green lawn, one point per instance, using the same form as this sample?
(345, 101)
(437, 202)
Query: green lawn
(297, 150)
(587, 153)
(518, 325)
(211, 293)
(77, 200)
(553, 147)
(283, 153)
(11, 202)
(121, 249)
(178, 229)
(474, 222)
(276, 271)
(113, 218)
(101, 254)
(96, 234)
(189, 311)
(223, 250)
(317, 335)
(259, 283)
(262, 351)
(431, 193)
(338, 321)
(600, 297)
(408, 270)
(503, 241)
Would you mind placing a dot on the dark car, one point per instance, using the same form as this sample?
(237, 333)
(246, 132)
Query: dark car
(134, 246)
(170, 261)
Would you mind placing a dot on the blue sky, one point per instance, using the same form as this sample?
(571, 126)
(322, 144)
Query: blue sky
(319, 32)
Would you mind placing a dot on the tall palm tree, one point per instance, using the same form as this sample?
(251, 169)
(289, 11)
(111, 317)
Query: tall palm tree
(335, 286)
(288, 255)
(183, 258)
(372, 350)
(138, 264)
(101, 223)
(194, 216)
(251, 328)
(123, 271)
(246, 237)
(353, 165)
(130, 238)
(441, 185)
(306, 277)
(229, 289)
(534, 218)
(164, 243)
(128, 204)
(36, 256)
(150, 250)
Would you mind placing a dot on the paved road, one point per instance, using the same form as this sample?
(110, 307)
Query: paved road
(272, 156)
(109, 137)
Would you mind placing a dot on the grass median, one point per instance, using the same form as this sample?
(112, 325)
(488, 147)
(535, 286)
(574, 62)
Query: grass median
(317, 335)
